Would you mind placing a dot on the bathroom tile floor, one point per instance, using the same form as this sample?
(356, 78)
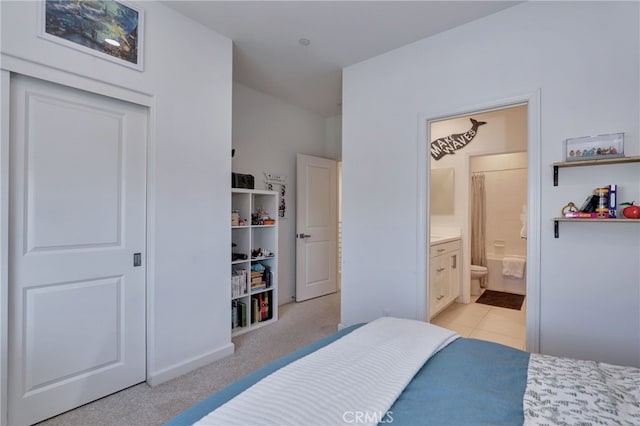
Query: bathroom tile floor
(485, 322)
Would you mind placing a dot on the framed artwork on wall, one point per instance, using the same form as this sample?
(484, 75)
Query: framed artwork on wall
(110, 29)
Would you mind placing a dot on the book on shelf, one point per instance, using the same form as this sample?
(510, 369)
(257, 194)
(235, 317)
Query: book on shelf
(235, 284)
(613, 201)
(244, 283)
(256, 279)
(261, 307)
(239, 283)
(261, 280)
(266, 277)
(265, 308)
(255, 309)
(234, 314)
(589, 204)
(242, 313)
(587, 215)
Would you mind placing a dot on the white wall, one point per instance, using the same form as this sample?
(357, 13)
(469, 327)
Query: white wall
(584, 59)
(333, 144)
(187, 82)
(267, 135)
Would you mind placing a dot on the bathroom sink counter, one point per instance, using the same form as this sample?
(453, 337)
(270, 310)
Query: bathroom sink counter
(439, 239)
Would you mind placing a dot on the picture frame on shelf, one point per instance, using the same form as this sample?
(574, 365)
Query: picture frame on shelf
(109, 29)
(599, 147)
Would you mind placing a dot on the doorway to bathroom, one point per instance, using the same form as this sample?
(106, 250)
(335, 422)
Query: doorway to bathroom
(498, 229)
(489, 146)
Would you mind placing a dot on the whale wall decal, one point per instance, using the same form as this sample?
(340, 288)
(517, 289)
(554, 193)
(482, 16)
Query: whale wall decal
(450, 144)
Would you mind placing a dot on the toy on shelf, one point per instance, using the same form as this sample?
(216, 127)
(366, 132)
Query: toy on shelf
(631, 211)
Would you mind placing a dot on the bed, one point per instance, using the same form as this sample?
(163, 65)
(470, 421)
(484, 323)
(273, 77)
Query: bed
(407, 372)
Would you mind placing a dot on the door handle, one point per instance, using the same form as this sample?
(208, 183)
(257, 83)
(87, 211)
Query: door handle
(304, 235)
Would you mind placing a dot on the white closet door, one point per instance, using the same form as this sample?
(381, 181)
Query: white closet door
(77, 216)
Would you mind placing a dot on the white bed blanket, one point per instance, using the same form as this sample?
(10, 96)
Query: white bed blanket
(563, 391)
(355, 379)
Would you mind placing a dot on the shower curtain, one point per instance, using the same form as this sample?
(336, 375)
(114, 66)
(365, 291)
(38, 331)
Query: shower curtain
(478, 226)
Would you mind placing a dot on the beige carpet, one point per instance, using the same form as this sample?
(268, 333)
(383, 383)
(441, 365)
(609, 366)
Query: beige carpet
(298, 325)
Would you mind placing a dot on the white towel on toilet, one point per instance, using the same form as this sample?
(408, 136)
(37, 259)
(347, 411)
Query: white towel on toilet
(513, 267)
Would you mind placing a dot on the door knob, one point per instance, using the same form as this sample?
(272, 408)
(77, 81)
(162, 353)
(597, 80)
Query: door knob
(303, 235)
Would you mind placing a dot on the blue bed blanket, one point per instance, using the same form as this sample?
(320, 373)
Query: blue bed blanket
(469, 382)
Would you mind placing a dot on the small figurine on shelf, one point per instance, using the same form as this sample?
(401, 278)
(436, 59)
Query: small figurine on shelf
(569, 208)
(260, 252)
(257, 267)
(237, 256)
(261, 218)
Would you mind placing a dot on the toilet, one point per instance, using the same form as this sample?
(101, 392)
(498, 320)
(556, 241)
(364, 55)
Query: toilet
(477, 272)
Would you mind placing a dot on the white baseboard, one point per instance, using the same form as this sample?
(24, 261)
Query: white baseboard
(177, 370)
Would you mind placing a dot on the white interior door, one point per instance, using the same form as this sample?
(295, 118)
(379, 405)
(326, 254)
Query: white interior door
(77, 216)
(316, 227)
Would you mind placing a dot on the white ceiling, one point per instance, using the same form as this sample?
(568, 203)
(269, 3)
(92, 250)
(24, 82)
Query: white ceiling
(268, 57)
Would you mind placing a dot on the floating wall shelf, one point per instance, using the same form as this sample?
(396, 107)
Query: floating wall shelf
(557, 220)
(608, 161)
(620, 160)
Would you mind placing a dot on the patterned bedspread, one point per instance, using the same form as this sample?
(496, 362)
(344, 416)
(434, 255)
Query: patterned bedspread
(563, 391)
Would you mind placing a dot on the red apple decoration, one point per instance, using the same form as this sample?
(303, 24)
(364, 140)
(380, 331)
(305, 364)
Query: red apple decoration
(632, 211)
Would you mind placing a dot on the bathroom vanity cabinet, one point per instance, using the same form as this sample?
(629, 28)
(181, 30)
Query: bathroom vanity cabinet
(444, 274)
